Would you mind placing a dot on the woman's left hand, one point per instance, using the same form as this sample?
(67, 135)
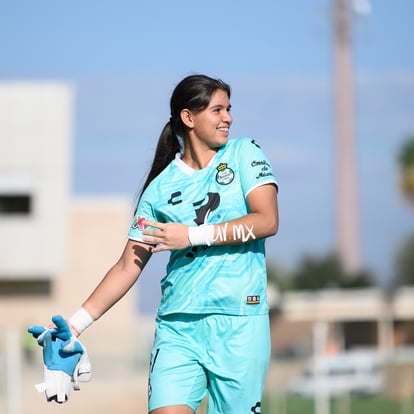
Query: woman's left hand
(168, 236)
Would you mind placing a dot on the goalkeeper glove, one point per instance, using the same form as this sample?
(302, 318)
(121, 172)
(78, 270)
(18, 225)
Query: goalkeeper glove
(65, 359)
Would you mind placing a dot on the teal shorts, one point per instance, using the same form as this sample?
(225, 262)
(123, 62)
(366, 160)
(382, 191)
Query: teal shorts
(223, 356)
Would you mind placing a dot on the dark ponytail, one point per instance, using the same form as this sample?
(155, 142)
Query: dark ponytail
(168, 145)
(193, 93)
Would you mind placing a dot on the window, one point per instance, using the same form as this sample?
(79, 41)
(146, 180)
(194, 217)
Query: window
(29, 287)
(15, 204)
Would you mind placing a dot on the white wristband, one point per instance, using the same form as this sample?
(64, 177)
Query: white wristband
(81, 319)
(201, 235)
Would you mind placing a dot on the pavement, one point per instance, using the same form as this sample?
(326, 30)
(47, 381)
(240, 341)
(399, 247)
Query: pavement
(122, 390)
(117, 387)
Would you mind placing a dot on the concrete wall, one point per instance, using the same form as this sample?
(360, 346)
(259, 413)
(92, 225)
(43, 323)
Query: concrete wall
(118, 344)
(35, 150)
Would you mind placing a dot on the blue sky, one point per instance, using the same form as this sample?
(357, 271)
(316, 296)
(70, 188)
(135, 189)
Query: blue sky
(124, 58)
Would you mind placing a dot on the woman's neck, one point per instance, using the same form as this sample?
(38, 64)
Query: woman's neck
(198, 157)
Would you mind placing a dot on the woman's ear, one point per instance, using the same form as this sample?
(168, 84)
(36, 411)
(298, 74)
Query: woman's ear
(187, 118)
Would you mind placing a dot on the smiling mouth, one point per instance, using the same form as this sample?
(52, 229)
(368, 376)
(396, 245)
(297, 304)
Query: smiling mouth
(224, 129)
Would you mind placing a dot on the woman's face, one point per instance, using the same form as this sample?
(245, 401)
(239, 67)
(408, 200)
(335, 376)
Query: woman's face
(211, 126)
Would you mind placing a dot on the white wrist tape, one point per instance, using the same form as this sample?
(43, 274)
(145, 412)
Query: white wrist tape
(80, 320)
(201, 235)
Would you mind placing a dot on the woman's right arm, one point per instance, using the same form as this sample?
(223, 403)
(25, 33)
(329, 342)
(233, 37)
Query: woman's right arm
(119, 279)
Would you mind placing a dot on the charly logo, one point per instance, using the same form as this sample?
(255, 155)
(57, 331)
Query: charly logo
(256, 409)
(149, 389)
(225, 175)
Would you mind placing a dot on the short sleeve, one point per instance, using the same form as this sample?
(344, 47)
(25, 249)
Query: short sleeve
(255, 167)
(144, 212)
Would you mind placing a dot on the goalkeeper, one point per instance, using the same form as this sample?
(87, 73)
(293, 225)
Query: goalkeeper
(211, 202)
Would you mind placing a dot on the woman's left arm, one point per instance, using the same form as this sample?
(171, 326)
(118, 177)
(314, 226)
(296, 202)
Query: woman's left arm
(261, 221)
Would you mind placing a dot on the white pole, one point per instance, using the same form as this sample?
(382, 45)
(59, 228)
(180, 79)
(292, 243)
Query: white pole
(346, 164)
(13, 370)
(320, 336)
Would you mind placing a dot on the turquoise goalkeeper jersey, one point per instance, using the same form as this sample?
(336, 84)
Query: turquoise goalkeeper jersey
(227, 279)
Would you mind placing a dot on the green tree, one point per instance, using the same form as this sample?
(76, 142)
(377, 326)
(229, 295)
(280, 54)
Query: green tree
(406, 164)
(314, 273)
(278, 276)
(405, 262)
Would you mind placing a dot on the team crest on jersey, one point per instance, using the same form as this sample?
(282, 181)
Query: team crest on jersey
(225, 175)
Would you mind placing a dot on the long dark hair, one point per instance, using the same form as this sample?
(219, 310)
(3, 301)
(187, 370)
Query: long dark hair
(193, 93)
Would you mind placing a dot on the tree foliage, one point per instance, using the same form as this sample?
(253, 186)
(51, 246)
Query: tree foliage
(405, 262)
(406, 165)
(406, 155)
(314, 273)
(278, 276)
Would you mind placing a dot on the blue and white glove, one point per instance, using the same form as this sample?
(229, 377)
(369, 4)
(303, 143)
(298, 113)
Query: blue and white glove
(65, 359)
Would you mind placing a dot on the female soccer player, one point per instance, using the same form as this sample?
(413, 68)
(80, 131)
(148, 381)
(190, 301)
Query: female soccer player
(211, 202)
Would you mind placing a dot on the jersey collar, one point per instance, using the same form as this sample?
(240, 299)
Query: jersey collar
(186, 169)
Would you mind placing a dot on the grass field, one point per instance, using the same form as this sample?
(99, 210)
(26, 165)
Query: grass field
(357, 405)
